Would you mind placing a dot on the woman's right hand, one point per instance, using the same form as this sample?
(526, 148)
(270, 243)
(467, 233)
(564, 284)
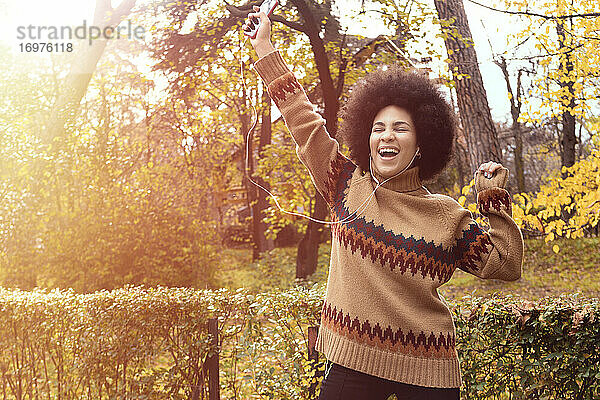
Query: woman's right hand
(262, 42)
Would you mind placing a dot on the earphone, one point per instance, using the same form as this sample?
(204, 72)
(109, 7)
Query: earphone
(343, 221)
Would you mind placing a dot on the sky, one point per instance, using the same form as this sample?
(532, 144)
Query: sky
(487, 27)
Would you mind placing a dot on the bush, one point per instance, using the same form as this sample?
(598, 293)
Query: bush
(152, 343)
(510, 348)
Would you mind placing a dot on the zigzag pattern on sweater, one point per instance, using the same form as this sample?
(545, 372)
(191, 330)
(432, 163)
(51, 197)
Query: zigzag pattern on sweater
(401, 253)
(422, 344)
(471, 247)
(409, 254)
(282, 86)
(495, 198)
(338, 176)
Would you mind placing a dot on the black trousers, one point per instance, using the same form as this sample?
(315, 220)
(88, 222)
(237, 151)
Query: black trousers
(341, 383)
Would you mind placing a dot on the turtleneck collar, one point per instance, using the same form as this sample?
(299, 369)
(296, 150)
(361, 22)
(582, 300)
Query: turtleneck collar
(405, 182)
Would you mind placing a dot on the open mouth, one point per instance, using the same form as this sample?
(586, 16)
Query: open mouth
(388, 152)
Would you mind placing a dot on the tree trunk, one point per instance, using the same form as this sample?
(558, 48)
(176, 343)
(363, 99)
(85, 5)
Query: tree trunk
(247, 159)
(519, 167)
(308, 248)
(475, 116)
(567, 84)
(460, 155)
(568, 139)
(515, 112)
(261, 243)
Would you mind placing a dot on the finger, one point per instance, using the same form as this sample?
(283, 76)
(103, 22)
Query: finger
(490, 169)
(484, 170)
(487, 166)
(493, 168)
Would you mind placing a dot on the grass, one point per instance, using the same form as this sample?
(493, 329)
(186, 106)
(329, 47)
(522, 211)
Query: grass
(276, 270)
(576, 268)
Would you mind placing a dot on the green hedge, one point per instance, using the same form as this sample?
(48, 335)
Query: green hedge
(138, 343)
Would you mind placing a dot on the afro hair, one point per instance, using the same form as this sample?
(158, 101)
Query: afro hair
(434, 119)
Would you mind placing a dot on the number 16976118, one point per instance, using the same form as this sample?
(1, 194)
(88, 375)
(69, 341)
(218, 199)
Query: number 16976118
(45, 47)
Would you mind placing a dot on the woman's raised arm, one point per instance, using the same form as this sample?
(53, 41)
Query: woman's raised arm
(317, 150)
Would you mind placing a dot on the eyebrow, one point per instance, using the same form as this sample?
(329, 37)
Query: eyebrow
(397, 123)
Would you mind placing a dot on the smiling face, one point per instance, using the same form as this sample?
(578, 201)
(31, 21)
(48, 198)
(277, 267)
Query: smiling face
(393, 140)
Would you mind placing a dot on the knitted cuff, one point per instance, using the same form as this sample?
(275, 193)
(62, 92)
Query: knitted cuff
(497, 180)
(280, 88)
(271, 67)
(494, 199)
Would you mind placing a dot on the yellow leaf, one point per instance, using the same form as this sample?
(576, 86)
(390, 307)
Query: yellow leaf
(555, 248)
(462, 200)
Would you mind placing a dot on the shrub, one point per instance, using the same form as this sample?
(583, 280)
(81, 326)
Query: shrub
(139, 342)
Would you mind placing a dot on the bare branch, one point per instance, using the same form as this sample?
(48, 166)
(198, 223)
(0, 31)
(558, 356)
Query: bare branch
(291, 24)
(242, 12)
(532, 14)
(570, 50)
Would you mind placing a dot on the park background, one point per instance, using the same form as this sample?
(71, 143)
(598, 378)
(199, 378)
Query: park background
(125, 201)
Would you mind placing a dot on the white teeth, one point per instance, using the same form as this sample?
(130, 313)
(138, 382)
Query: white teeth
(388, 152)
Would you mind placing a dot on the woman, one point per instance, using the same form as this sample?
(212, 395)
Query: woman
(384, 328)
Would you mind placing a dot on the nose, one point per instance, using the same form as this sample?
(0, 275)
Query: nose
(387, 135)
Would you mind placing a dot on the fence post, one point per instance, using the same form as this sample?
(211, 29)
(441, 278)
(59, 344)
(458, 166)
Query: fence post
(313, 332)
(213, 361)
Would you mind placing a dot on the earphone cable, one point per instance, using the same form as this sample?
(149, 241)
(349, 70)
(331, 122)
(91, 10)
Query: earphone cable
(248, 137)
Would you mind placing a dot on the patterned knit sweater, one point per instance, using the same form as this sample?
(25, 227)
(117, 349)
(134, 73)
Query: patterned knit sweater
(382, 313)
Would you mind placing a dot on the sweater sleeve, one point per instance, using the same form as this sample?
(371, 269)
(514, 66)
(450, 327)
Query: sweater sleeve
(316, 149)
(498, 252)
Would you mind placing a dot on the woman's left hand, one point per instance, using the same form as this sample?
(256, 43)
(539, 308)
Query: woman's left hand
(489, 168)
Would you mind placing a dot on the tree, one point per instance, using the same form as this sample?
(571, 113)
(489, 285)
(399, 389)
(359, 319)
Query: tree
(515, 99)
(83, 65)
(328, 61)
(124, 201)
(262, 243)
(475, 116)
(578, 193)
(334, 57)
(563, 42)
(19, 208)
(314, 18)
(203, 63)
